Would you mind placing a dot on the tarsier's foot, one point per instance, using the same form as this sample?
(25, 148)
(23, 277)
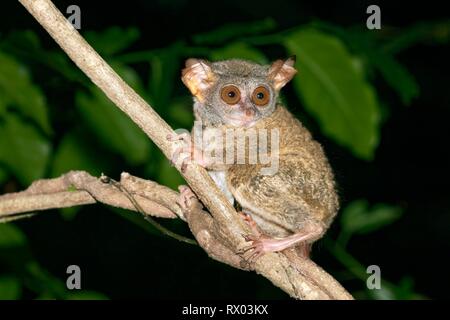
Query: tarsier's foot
(263, 244)
(185, 153)
(187, 198)
(259, 246)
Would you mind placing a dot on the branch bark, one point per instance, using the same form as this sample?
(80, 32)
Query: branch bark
(299, 278)
(80, 188)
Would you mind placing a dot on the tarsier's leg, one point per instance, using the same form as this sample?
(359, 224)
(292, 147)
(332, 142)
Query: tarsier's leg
(302, 238)
(261, 243)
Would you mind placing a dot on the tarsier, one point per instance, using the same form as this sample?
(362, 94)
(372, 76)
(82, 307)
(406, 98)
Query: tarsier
(295, 205)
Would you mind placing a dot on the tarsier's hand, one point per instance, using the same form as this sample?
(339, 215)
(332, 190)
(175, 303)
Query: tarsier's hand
(185, 152)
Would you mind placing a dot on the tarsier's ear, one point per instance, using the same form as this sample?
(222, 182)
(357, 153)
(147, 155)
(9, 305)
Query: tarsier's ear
(197, 76)
(281, 72)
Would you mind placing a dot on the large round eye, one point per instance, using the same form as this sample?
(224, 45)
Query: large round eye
(230, 94)
(261, 96)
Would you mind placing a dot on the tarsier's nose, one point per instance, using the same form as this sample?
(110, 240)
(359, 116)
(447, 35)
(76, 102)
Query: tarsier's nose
(249, 112)
(247, 108)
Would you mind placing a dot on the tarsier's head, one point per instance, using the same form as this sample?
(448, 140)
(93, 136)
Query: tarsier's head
(236, 92)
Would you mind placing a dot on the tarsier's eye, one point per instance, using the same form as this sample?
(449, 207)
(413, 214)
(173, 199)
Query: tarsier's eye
(230, 94)
(261, 96)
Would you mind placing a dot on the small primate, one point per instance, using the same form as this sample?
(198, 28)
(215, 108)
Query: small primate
(295, 205)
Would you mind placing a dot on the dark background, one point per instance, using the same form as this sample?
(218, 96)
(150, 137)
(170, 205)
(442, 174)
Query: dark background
(410, 168)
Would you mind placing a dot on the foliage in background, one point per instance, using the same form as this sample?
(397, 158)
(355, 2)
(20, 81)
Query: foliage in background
(335, 86)
(28, 274)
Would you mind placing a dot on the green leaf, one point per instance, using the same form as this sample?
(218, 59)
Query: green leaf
(366, 45)
(3, 175)
(3, 103)
(167, 175)
(23, 38)
(164, 67)
(70, 213)
(14, 250)
(358, 218)
(42, 282)
(180, 113)
(45, 296)
(21, 93)
(73, 154)
(26, 45)
(334, 92)
(238, 50)
(10, 288)
(382, 294)
(397, 76)
(130, 76)
(115, 130)
(86, 295)
(405, 289)
(424, 31)
(23, 149)
(227, 32)
(112, 40)
(11, 236)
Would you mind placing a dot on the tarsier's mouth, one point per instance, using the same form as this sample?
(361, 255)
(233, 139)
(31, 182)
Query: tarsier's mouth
(241, 121)
(246, 117)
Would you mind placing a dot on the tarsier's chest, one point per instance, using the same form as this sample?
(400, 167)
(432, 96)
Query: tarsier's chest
(220, 179)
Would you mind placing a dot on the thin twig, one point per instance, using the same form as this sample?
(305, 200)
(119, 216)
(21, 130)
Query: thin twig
(146, 216)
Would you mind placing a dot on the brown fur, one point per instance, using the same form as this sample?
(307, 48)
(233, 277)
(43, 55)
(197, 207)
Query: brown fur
(302, 191)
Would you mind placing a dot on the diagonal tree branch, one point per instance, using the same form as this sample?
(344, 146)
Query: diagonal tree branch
(300, 278)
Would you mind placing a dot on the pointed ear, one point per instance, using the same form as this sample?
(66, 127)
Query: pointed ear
(281, 72)
(197, 76)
